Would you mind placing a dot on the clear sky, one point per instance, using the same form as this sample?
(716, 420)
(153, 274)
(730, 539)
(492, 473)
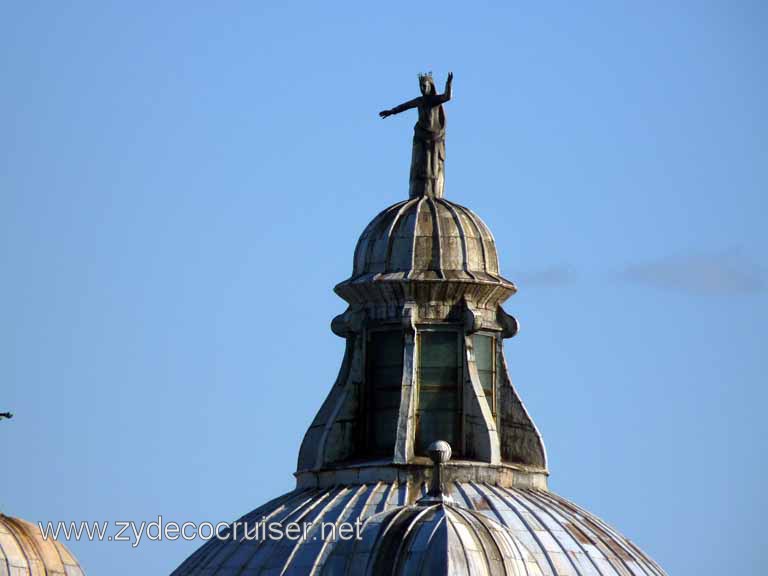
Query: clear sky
(183, 183)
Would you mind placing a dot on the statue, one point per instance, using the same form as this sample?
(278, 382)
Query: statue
(428, 157)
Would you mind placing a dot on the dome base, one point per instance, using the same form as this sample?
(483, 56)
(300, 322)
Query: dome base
(420, 471)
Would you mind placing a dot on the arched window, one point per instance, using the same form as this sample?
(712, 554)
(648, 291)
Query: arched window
(439, 385)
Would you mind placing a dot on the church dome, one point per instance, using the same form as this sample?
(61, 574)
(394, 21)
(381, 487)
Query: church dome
(24, 551)
(427, 238)
(565, 539)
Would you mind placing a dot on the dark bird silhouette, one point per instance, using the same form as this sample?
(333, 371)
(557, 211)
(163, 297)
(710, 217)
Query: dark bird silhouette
(7, 415)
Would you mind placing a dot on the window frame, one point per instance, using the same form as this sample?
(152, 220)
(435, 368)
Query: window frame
(366, 394)
(494, 367)
(459, 333)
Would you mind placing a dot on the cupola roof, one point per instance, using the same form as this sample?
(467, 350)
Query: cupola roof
(427, 238)
(24, 551)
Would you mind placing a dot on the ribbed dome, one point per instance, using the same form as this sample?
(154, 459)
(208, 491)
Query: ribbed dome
(24, 552)
(565, 540)
(428, 539)
(427, 238)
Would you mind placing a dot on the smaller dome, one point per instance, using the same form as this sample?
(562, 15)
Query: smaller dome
(427, 238)
(24, 551)
(430, 538)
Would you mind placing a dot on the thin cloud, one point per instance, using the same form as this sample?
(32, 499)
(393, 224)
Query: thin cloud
(700, 274)
(552, 276)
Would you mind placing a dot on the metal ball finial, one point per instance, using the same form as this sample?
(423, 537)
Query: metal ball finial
(439, 451)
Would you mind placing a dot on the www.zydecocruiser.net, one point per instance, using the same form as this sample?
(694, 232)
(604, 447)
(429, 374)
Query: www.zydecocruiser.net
(159, 530)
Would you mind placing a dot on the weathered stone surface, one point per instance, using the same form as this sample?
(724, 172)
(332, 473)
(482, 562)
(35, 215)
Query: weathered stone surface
(449, 256)
(420, 263)
(563, 539)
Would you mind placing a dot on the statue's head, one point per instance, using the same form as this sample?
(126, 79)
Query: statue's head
(426, 84)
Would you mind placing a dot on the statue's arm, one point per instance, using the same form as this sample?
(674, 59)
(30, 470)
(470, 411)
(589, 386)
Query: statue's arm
(401, 108)
(448, 93)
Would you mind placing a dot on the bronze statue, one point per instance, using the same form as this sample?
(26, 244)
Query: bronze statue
(428, 158)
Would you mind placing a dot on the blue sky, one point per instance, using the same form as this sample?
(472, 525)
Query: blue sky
(182, 184)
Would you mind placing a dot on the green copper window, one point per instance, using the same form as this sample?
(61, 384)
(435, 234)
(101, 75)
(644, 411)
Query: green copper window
(485, 359)
(439, 408)
(385, 375)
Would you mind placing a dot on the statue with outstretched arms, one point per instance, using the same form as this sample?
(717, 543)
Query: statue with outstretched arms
(428, 157)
